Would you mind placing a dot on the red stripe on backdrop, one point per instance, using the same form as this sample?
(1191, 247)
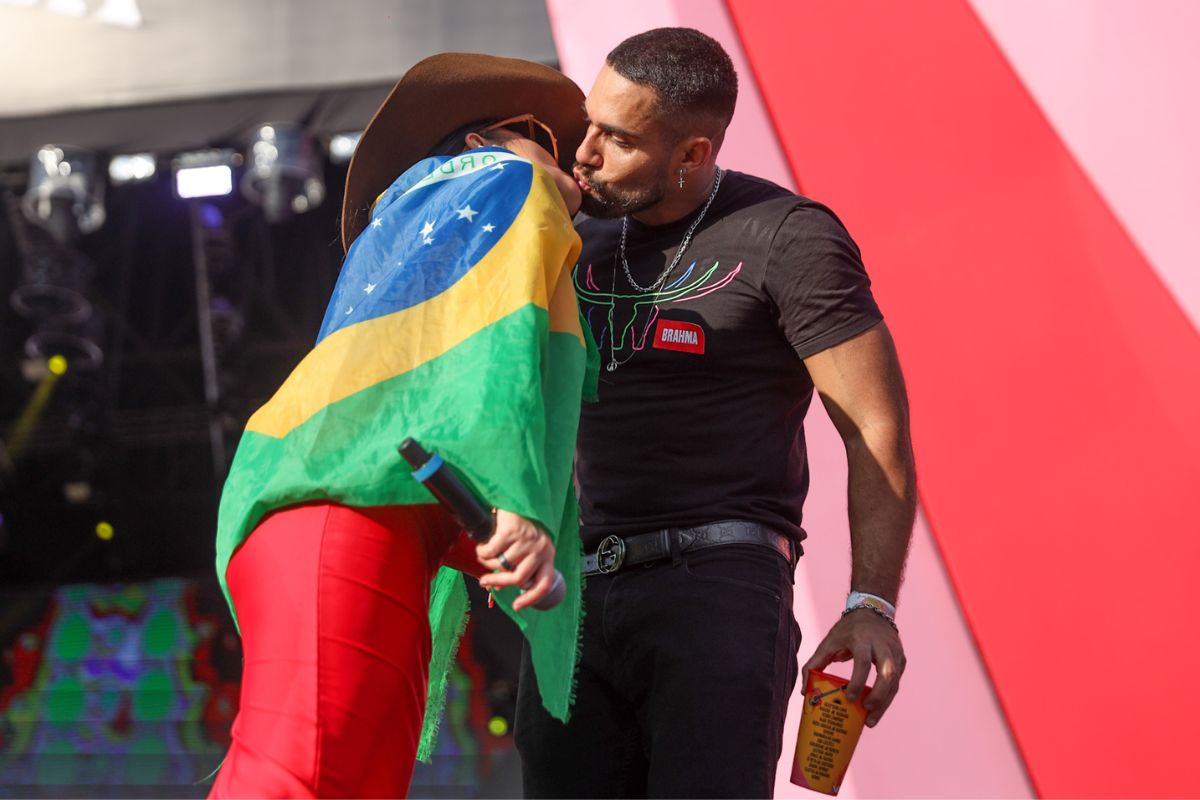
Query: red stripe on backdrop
(1055, 383)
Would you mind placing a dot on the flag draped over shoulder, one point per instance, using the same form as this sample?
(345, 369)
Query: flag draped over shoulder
(454, 321)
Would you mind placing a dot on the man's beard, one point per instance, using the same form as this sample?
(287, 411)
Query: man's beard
(604, 202)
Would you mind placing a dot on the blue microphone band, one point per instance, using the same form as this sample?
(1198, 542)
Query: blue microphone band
(426, 470)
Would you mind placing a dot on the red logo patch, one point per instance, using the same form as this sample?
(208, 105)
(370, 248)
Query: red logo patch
(683, 336)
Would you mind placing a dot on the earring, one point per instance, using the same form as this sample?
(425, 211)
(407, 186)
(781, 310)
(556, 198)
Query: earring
(681, 178)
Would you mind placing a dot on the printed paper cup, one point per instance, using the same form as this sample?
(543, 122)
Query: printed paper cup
(830, 725)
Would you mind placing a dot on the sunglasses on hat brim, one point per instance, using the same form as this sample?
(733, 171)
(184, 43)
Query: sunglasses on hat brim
(533, 125)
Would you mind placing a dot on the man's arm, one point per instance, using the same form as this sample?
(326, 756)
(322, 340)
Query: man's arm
(860, 383)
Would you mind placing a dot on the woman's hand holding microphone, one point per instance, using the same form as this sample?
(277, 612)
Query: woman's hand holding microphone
(523, 555)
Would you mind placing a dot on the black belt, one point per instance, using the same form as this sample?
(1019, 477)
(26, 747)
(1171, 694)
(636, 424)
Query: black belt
(615, 553)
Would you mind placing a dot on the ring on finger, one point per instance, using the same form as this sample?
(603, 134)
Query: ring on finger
(504, 562)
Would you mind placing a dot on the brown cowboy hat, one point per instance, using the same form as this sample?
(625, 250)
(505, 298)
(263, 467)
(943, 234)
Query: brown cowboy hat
(442, 94)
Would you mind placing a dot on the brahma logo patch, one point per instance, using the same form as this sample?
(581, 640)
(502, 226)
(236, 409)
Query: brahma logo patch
(685, 337)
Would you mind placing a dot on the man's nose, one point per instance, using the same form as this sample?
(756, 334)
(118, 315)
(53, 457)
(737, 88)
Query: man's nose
(587, 153)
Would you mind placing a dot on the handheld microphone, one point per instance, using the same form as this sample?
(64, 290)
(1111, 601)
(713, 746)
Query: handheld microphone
(466, 507)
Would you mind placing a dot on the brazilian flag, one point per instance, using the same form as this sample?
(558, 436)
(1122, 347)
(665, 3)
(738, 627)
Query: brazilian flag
(454, 321)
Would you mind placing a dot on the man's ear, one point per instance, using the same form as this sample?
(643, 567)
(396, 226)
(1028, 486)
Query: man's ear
(696, 152)
(473, 140)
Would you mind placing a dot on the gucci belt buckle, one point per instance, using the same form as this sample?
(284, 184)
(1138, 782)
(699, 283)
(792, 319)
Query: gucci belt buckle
(610, 554)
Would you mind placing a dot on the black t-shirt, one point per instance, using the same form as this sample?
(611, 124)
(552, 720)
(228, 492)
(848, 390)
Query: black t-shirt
(702, 418)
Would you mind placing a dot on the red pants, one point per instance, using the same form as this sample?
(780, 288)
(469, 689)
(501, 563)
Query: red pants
(333, 604)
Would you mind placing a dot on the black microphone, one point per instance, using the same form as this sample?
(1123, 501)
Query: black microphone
(466, 507)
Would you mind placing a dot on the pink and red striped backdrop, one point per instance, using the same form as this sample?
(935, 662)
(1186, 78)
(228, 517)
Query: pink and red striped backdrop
(1023, 183)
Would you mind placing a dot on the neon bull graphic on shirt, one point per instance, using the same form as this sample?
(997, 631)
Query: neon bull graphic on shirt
(627, 320)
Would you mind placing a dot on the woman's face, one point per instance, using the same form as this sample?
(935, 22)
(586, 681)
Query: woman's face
(527, 148)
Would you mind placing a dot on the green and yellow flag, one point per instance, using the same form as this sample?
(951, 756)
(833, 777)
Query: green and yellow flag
(454, 321)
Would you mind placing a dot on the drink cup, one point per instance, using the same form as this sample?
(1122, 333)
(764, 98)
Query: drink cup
(830, 725)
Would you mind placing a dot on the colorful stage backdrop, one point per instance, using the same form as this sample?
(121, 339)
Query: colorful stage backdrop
(130, 690)
(1022, 177)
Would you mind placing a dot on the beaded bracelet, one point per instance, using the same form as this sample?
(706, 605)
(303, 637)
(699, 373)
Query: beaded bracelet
(877, 610)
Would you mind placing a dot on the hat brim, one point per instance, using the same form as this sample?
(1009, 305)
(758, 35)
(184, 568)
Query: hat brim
(440, 95)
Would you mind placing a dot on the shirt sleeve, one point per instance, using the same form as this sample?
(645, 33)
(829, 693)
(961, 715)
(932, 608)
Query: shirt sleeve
(816, 280)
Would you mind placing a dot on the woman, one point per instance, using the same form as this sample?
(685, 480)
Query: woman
(453, 322)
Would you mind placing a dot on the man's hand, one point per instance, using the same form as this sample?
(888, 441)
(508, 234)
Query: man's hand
(868, 639)
(528, 558)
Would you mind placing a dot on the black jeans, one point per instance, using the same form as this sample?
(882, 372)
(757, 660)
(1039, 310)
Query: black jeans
(685, 674)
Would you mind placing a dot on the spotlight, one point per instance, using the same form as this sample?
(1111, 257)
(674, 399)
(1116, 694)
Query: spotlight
(205, 173)
(105, 530)
(133, 168)
(73, 470)
(341, 146)
(284, 174)
(211, 181)
(37, 370)
(77, 492)
(65, 194)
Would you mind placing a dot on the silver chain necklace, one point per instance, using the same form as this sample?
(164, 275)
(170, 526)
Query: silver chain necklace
(660, 281)
(687, 239)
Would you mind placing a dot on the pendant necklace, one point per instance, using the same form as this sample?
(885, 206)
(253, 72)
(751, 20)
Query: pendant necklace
(659, 282)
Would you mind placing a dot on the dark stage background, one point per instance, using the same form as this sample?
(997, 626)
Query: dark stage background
(120, 662)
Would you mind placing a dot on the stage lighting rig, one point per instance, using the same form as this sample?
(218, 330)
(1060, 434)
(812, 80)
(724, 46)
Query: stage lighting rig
(205, 173)
(66, 192)
(284, 174)
(132, 168)
(54, 284)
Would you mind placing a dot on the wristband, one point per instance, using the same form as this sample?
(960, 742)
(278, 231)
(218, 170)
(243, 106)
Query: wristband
(860, 599)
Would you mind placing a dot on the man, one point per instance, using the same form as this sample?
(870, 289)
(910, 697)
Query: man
(719, 302)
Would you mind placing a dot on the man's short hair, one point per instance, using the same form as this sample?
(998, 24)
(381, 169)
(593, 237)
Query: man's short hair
(691, 73)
